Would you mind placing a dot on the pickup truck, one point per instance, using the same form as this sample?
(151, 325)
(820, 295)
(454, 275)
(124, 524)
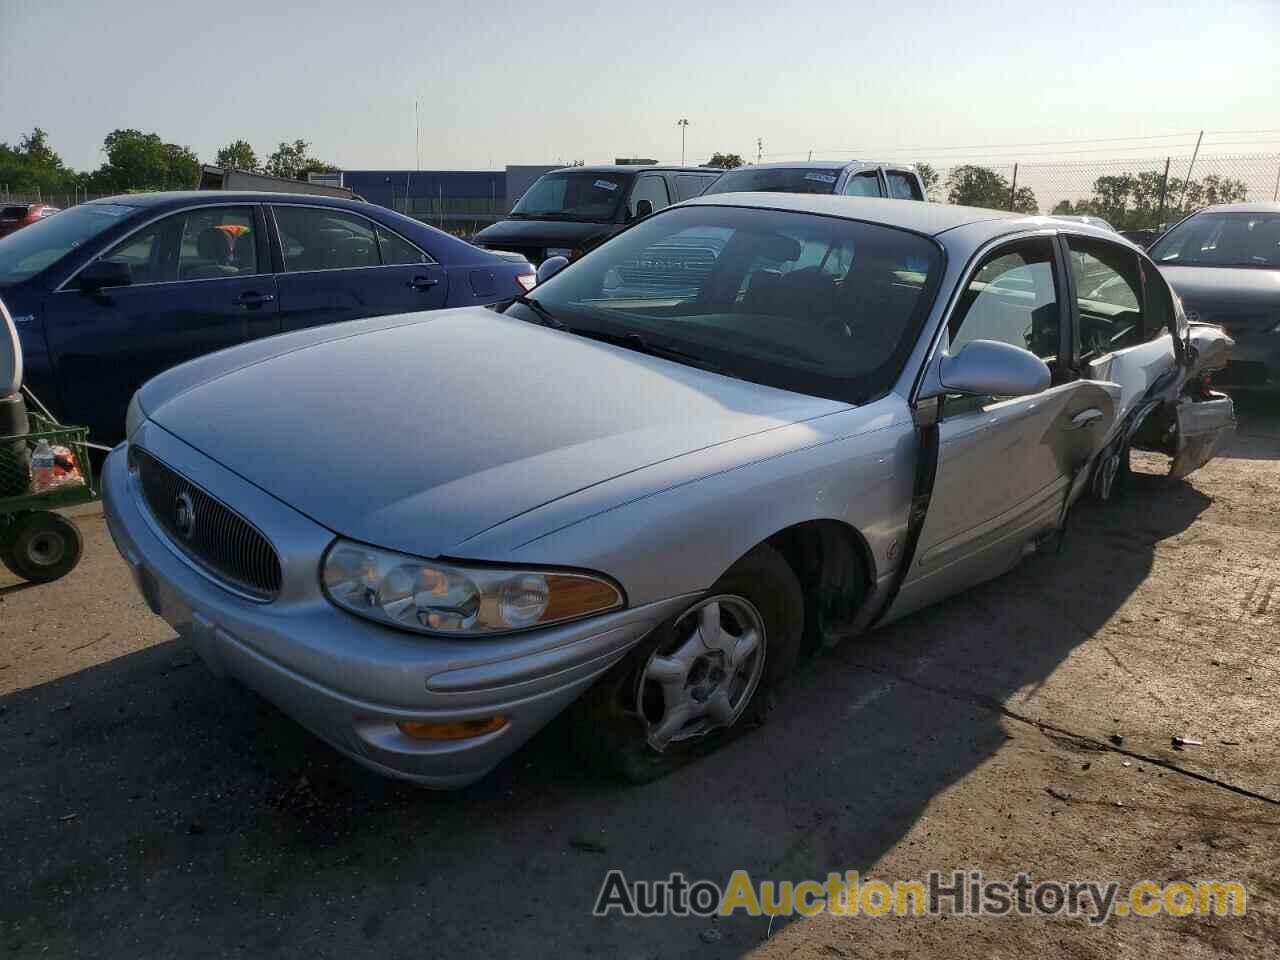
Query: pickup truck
(851, 178)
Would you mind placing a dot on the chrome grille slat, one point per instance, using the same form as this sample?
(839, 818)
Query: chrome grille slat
(223, 543)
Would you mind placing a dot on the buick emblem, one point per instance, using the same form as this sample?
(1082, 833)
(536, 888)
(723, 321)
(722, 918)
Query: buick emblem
(184, 515)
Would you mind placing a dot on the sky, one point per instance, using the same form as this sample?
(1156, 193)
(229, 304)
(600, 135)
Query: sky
(554, 81)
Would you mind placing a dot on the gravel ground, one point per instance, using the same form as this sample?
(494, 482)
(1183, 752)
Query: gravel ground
(149, 810)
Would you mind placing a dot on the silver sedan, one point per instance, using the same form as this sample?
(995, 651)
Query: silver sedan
(747, 426)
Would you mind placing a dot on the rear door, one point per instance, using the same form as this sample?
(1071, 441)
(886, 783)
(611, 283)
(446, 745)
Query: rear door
(1005, 465)
(201, 281)
(337, 265)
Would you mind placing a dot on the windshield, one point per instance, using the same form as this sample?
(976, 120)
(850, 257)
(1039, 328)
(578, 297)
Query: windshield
(812, 304)
(776, 180)
(28, 251)
(1222, 240)
(573, 196)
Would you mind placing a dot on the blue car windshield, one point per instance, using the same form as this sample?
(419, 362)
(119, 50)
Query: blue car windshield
(818, 305)
(587, 196)
(26, 252)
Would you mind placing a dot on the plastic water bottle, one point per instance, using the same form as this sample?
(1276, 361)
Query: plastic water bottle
(42, 467)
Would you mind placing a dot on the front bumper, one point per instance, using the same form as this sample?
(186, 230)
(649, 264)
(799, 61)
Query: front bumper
(348, 680)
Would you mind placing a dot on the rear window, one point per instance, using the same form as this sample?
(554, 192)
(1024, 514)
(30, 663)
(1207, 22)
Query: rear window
(776, 180)
(689, 185)
(13, 213)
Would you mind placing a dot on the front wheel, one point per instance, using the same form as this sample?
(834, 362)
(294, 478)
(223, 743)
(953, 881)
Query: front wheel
(700, 679)
(42, 547)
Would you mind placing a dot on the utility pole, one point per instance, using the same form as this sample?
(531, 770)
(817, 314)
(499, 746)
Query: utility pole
(1187, 179)
(759, 148)
(1013, 189)
(1164, 193)
(683, 124)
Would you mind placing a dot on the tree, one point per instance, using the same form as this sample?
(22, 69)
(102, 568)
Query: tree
(977, 186)
(142, 161)
(291, 160)
(726, 160)
(928, 176)
(32, 167)
(237, 155)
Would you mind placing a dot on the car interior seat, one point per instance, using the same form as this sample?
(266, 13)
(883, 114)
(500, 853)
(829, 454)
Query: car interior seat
(214, 247)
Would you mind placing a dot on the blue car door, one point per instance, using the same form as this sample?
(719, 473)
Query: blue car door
(335, 264)
(199, 281)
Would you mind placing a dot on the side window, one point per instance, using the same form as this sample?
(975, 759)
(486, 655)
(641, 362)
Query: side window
(201, 244)
(1012, 298)
(866, 184)
(689, 185)
(152, 252)
(903, 185)
(396, 250)
(217, 242)
(1109, 296)
(319, 238)
(651, 188)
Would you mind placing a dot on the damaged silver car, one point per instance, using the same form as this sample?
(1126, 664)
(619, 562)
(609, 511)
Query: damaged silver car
(748, 424)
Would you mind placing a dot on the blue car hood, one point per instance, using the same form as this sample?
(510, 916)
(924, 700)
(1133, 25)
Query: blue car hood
(419, 432)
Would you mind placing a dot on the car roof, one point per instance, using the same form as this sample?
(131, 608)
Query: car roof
(820, 164)
(636, 168)
(180, 197)
(930, 219)
(1257, 206)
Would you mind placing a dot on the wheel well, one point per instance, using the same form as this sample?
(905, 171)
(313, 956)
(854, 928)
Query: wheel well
(836, 570)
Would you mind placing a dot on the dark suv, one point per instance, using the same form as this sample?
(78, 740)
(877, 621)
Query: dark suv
(569, 211)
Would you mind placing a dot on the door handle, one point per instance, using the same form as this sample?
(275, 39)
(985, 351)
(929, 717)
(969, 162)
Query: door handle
(1085, 418)
(252, 299)
(423, 283)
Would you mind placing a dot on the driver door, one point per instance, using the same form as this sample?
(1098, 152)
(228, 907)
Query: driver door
(1005, 465)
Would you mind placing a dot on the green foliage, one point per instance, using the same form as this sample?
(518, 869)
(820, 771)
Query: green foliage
(292, 161)
(142, 161)
(929, 176)
(1132, 201)
(32, 166)
(726, 160)
(237, 155)
(977, 186)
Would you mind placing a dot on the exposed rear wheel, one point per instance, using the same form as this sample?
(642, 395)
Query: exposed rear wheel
(699, 680)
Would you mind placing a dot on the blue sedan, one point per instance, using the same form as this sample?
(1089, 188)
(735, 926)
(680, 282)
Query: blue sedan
(110, 293)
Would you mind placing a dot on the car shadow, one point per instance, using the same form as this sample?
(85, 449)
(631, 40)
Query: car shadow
(152, 810)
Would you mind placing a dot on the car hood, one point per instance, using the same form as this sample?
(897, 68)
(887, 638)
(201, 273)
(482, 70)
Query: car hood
(419, 432)
(1226, 294)
(543, 232)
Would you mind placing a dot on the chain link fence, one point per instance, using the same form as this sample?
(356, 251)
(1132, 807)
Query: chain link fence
(1130, 194)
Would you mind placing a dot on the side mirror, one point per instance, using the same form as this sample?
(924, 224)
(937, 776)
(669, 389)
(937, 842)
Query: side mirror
(550, 267)
(104, 273)
(987, 368)
(643, 208)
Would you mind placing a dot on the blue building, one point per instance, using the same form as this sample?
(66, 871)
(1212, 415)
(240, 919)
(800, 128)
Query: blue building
(460, 201)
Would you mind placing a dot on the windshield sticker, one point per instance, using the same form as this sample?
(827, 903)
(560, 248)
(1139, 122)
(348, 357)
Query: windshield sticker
(606, 185)
(820, 177)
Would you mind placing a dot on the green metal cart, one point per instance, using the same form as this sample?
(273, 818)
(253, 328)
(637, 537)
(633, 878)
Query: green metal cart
(36, 543)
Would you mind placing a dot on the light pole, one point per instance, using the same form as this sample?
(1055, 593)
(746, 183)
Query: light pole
(683, 124)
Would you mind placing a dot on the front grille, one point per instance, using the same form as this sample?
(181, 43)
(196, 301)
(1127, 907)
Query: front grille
(210, 533)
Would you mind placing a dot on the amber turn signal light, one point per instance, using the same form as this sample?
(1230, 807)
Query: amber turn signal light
(451, 729)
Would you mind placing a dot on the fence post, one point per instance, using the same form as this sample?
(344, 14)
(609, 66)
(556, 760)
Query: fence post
(1275, 194)
(1164, 192)
(1013, 189)
(1191, 166)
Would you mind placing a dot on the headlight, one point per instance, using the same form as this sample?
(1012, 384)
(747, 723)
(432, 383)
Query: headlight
(566, 252)
(133, 417)
(452, 600)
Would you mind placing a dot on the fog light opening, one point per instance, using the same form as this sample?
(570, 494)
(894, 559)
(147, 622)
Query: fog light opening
(451, 729)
